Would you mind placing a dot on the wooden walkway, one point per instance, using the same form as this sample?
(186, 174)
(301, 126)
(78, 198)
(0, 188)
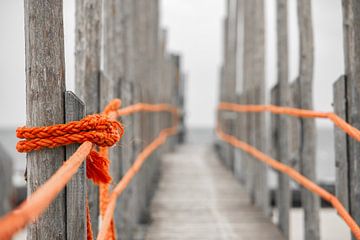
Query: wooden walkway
(199, 199)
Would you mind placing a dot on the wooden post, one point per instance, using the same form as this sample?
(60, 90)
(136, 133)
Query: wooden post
(45, 86)
(351, 17)
(76, 188)
(295, 125)
(341, 144)
(284, 194)
(141, 75)
(87, 76)
(240, 163)
(310, 201)
(114, 70)
(258, 79)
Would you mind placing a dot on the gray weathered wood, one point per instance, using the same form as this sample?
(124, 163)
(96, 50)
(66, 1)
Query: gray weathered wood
(45, 86)
(284, 194)
(240, 164)
(295, 125)
(76, 188)
(341, 144)
(141, 88)
(257, 76)
(114, 69)
(87, 75)
(6, 171)
(351, 18)
(177, 213)
(250, 121)
(310, 201)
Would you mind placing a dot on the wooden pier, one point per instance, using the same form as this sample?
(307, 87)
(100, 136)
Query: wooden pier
(198, 198)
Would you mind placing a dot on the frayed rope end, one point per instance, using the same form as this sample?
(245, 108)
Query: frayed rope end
(97, 168)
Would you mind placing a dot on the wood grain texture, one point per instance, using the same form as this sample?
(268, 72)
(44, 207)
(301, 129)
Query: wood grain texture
(310, 201)
(88, 31)
(76, 187)
(351, 18)
(341, 144)
(284, 197)
(45, 86)
(193, 175)
(114, 70)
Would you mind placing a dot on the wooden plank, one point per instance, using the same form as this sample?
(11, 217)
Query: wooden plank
(76, 188)
(351, 17)
(341, 144)
(310, 201)
(224, 212)
(284, 194)
(87, 75)
(45, 86)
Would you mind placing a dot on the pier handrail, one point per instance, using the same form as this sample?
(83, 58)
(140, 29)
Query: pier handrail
(291, 172)
(36, 203)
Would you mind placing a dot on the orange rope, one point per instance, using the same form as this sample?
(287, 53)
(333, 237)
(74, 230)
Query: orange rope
(93, 129)
(102, 130)
(36, 203)
(97, 129)
(296, 176)
(139, 161)
(295, 112)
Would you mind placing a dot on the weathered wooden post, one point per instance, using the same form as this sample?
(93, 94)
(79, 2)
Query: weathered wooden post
(45, 86)
(248, 85)
(229, 81)
(351, 17)
(76, 187)
(254, 85)
(141, 76)
(310, 201)
(87, 75)
(284, 193)
(341, 144)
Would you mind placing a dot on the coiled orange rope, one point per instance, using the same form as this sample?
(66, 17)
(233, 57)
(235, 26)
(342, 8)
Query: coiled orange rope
(102, 130)
(296, 176)
(93, 129)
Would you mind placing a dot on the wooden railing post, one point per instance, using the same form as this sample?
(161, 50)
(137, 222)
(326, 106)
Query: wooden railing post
(76, 187)
(310, 201)
(87, 76)
(351, 18)
(284, 193)
(45, 87)
(341, 144)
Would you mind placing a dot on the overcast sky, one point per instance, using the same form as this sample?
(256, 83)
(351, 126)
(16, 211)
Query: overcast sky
(194, 30)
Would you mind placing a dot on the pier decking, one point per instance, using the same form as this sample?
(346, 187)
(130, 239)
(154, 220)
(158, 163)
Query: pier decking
(199, 199)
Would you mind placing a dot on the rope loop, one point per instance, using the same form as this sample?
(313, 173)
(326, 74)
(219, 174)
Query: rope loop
(98, 129)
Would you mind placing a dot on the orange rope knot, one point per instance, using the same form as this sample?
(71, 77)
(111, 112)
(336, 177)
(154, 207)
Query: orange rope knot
(97, 129)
